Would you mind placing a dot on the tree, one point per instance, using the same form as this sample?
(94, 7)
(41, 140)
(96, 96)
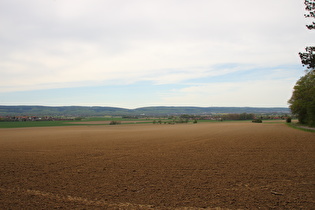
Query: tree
(302, 102)
(310, 7)
(308, 57)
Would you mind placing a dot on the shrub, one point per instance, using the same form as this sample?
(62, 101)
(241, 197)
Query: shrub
(115, 122)
(288, 120)
(195, 121)
(257, 121)
(181, 120)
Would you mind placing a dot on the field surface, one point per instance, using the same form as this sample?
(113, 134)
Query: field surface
(108, 121)
(229, 165)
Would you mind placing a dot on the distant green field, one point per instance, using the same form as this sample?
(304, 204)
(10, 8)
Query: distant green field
(89, 119)
(33, 124)
(96, 119)
(65, 123)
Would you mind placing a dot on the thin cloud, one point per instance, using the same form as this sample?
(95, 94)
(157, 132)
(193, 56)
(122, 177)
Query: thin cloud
(265, 93)
(63, 44)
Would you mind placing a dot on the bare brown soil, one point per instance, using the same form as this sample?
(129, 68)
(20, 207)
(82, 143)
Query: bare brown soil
(188, 166)
(105, 122)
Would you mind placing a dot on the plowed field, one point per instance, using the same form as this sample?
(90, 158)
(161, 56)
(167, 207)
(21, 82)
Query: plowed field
(189, 166)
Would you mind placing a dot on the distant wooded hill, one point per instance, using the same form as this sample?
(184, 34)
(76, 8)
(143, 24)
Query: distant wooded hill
(114, 111)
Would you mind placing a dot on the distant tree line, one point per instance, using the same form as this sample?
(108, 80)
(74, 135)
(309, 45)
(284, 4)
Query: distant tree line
(231, 116)
(243, 116)
(77, 111)
(35, 118)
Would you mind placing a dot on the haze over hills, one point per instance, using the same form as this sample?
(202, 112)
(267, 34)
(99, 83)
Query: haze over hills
(115, 111)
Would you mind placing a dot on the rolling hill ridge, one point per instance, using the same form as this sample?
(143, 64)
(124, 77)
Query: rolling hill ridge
(115, 111)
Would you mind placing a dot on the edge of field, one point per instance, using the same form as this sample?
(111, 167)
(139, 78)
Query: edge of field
(94, 121)
(301, 127)
(85, 122)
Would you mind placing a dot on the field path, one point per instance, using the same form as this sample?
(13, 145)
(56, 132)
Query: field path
(224, 165)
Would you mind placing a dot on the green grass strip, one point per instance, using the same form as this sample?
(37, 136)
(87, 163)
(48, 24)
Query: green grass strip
(295, 126)
(33, 124)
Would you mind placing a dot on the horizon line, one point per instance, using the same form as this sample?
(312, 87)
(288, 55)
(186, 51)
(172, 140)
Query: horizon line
(179, 106)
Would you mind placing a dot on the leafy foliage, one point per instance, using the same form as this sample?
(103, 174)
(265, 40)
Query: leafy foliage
(115, 122)
(302, 102)
(310, 7)
(308, 58)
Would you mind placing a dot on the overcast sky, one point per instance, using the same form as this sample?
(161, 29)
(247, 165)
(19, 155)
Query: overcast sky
(136, 53)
